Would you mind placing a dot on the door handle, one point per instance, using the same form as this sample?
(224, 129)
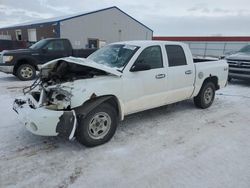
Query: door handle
(159, 76)
(189, 72)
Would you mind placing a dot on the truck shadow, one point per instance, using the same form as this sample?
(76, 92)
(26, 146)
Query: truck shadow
(138, 122)
(12, 78)
(9, 78)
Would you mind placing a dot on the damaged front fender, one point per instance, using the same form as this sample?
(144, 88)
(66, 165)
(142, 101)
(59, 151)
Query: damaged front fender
(66, 126)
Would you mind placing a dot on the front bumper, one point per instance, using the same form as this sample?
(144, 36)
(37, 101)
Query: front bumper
(7, 69)
(45, 122)
(240, 76)
(239, 69)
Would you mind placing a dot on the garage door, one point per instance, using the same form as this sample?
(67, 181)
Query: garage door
(32, 35)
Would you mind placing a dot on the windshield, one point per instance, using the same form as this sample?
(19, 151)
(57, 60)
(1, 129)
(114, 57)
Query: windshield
(38, 45)
(116, 55)
(245, 49)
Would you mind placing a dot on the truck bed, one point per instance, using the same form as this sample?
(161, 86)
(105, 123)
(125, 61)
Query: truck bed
(207, 69)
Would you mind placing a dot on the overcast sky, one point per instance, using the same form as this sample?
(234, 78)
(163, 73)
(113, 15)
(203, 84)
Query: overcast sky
(165, 17)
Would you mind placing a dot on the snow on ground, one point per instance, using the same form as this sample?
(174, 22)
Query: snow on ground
(174, 146)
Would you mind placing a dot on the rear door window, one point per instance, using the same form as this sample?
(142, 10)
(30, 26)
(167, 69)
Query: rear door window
(176, 55)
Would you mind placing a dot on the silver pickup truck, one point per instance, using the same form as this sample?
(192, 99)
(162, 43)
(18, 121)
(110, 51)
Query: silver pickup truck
(239, 64)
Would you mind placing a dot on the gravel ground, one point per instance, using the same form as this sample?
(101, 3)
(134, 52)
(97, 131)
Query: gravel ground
(171, 146)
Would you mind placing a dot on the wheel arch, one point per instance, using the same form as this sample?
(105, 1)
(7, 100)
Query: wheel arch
(24, 60)
(95, 101)
(213, 79)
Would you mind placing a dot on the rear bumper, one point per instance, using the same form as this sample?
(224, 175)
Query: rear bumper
(7, 69)
(45, 122)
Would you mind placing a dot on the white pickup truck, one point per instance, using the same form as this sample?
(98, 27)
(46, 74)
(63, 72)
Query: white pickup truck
(86, 98)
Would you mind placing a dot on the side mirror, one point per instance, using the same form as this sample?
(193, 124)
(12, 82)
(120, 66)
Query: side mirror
(140, 67)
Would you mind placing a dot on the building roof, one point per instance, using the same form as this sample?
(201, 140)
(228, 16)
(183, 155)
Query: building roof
(143, 43)
(68, 17)
(205, 38)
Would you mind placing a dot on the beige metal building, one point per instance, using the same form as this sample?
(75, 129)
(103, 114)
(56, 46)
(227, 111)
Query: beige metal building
(85, 30)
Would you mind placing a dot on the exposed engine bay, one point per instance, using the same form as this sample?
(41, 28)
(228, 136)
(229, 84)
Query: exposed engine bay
(64, 71)
(49, 91)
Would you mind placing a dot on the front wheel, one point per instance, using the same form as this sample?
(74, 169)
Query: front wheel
(26, 72)
(206, 95)
(98, 126)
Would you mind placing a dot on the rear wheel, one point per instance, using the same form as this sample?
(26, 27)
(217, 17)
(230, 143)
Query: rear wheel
(26, 72)
(206, 95)
(98, 126)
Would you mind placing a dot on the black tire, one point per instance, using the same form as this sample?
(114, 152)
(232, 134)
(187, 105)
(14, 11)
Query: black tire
(206, 95)
(85, 133)
(26, 72)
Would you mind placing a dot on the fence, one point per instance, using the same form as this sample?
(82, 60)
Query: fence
(214, 49)
(210, 46)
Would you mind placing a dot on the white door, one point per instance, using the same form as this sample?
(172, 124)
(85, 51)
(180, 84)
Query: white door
(145, 89)
(181, 74)
(32, 35)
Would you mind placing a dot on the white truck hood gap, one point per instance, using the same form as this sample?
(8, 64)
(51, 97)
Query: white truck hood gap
(84, 62)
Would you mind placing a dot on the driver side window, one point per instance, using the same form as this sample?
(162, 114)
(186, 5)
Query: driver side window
(151, 56)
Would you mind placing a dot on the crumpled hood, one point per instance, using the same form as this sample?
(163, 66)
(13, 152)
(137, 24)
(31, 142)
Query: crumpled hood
(239, 56)
(83, 62)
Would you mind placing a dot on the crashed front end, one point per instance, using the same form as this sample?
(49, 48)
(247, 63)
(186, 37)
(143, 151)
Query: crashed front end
(47, 107)
(46, 112)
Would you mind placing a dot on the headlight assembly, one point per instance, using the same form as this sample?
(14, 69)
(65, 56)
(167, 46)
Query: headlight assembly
(7, 59)
(59, 99)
